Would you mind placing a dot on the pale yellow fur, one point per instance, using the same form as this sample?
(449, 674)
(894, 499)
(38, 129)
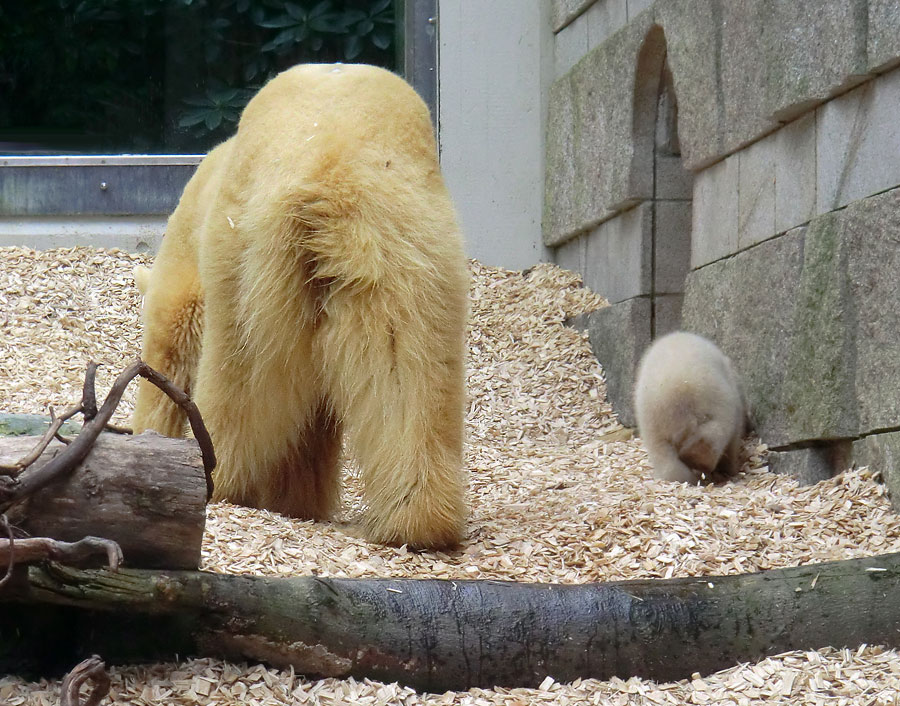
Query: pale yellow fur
(690, 410)
(142, 278)
(311, 282)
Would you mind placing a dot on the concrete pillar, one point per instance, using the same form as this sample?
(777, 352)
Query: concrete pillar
(495, 64)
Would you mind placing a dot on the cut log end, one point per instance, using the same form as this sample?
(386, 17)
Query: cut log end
(146, 493)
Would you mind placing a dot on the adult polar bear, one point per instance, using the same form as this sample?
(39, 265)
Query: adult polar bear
(312, 281)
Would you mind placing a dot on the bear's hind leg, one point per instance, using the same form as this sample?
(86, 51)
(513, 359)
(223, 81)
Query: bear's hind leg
(307, 481)
(276, 439)
(398, 384)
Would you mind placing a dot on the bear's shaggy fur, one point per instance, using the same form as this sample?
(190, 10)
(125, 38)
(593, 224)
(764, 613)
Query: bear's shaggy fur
(312, 282)
(690, 409)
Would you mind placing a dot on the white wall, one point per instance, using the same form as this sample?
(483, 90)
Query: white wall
(495, 63)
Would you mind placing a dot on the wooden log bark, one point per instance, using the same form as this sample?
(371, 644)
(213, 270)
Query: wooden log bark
(438, 635)
(147, 493)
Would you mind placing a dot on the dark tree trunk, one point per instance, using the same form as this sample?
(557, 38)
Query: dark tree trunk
(439, 635)
(147, 493)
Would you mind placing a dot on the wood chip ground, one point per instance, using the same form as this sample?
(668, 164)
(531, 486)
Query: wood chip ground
(553, 498)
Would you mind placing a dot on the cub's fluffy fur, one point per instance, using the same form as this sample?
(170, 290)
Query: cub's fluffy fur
(312, 282)
(690, 410)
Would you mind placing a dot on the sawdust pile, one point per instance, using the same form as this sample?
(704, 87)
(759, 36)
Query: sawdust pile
(552, 498)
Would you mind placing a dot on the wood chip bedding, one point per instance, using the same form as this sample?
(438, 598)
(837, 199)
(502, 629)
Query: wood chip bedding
(551, 499)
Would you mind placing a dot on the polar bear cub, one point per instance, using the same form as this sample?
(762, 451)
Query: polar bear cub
(690, 410)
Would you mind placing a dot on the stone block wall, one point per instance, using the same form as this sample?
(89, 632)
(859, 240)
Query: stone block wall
(732, 169)
(812, 321)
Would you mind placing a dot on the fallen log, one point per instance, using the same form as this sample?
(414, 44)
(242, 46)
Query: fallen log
(438, 635)
(147, 493)
(22, 479)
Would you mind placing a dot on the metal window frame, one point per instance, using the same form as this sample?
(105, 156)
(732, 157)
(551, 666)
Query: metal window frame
(419, 53)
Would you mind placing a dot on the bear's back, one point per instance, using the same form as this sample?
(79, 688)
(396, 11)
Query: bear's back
(315, 118)
(683, 379)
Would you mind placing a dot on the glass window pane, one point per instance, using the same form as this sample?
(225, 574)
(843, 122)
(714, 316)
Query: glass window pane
(163, 76)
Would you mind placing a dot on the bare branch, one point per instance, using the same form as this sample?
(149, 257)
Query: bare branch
(35, 453)
(88, 393)
(32, 480)
(11, 550)
(179, 397)
(29, 481)
(51, 433)
(33, 549)
(91, 669)
(88, 408)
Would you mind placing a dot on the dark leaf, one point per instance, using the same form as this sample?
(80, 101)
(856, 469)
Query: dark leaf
(223, 95)
(202, 102)
(213, 120)
(332, 23)
(278, 22)
(295, 11)
(320, 8)
(212, 52)
(352, 47)
(238, 101)
(193, 118)
(382, 39)
(282, 38)
(353, 16)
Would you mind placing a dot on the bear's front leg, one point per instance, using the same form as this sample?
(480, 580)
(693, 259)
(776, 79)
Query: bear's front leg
(171, 345)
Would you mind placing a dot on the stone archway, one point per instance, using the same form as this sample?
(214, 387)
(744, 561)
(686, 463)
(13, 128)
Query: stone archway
(649, 244)
(659, 175)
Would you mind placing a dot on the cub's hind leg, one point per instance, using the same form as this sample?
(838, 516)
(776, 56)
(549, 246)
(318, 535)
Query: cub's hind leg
(667, 465)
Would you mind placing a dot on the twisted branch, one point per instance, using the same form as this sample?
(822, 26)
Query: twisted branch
(22, 483)
(91, 669)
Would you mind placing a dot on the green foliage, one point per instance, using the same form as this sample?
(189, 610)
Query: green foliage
(163, 75)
